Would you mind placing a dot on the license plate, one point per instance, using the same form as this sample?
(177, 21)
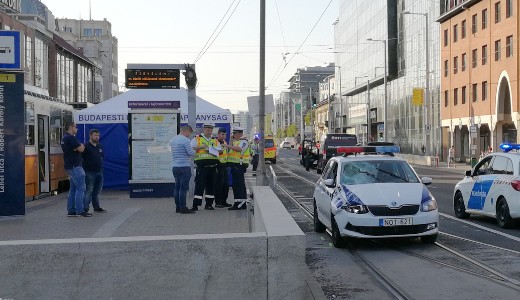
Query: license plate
(396, 222)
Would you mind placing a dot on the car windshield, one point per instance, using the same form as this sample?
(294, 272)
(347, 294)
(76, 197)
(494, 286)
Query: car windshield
(377, 171)
(269, 143)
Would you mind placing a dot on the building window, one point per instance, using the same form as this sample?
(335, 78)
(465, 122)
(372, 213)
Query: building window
(484, 54)
(87, 31)
(484, 18)
(455, 98)
(463, 29)
(455, 64)
(97, 32)
(463, 95)
(455, 29)
(474, 23)
(475, 94)
(446, 100)
(445, 37)
(474, 58)
(509, 46)
(497, 12)
(463, 62)
(497, 50)
(484, 91)
(446, 70)
(509, 8)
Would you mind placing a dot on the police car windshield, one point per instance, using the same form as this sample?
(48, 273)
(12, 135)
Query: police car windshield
(269, 143)
(376, 171)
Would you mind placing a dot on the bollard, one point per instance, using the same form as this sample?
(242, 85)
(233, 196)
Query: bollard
(437, 160)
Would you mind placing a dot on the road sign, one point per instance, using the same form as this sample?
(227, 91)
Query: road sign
(298, 106)
(10, 50)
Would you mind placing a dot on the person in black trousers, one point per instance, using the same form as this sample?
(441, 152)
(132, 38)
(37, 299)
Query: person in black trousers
(222, 184)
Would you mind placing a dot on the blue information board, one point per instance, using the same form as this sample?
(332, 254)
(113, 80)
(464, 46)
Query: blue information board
(10, 50)
(12, 144)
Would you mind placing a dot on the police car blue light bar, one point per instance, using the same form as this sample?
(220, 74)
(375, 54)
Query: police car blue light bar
(369, 149)
(508, 147)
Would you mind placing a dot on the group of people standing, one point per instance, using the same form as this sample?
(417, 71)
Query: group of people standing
(84, 165)
(213, 156)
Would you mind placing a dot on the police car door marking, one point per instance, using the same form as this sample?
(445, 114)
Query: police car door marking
(479, 192)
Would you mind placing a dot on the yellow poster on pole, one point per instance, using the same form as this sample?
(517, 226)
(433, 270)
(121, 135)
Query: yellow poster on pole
(418, 96)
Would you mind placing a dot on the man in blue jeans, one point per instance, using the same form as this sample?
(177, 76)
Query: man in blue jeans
(183, 155)
(93, 166)
(72, 150)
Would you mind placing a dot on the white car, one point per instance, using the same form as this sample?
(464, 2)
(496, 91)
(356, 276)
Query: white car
(285, 145)
(492, 188)
(374, 196)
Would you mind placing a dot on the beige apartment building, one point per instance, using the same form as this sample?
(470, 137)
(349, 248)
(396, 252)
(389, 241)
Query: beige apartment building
(479, 75)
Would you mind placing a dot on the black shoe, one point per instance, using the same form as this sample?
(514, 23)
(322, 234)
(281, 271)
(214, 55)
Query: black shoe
(186, 211)
(219, 206)
(195, 208)
(226, 205)
(234, 207)
(85, 214)
(208, 207)
(177, 210)
(100, 210)
(72, 214)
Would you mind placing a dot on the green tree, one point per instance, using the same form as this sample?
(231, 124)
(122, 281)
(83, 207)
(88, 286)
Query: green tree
(291, 130)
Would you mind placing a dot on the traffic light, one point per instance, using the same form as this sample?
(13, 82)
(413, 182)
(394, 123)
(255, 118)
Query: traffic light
(313, 101)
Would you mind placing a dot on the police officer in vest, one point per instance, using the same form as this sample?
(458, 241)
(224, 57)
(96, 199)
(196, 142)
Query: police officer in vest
(238, 160)
(222, 187)
(206, 167)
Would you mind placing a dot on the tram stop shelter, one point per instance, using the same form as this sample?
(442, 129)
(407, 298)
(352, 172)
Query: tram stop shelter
(111, 118)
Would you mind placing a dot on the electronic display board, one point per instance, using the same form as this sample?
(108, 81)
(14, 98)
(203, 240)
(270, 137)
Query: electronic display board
(152, 78)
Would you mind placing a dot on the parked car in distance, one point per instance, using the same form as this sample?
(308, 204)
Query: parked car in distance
(285, 145)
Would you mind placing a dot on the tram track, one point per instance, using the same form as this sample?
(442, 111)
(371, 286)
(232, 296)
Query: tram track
(482, 270)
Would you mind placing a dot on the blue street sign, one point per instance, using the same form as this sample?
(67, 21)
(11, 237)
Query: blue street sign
(10, 50)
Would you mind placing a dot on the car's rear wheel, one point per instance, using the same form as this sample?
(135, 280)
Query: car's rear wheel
(429, 239)
(504, 219)
(318, 226)
(273, 161)
(458, 206)
(337, 240)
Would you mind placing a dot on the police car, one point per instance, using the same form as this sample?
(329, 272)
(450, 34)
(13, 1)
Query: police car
(492, 188)
(368, 193)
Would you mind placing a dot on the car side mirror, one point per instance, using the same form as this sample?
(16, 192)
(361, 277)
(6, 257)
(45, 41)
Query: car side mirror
(427, 180)
(329, 182)
(468, 173)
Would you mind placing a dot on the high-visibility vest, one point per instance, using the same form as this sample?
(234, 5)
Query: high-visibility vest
(203, 154)
(235, 156)
(255, 149)
(223, 156)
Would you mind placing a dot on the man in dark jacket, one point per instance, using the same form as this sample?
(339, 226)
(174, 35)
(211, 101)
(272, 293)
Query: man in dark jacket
(93, 166)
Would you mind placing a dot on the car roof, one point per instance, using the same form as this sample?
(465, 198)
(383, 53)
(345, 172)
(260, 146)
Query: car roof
(513, 155)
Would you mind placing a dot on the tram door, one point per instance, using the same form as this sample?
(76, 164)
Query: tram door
(44, 176)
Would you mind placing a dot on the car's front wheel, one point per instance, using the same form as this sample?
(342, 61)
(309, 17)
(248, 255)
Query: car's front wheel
(504, 219)
(429, 239)
(318, 226)
(337, 240)
(459, 207)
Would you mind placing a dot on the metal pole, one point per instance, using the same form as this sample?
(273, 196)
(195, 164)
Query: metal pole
(330, 112)
(427, 92)
(261, 179)
(302, 127)
(340, 102)
(310, 100)
(385, 118)
(368, 112)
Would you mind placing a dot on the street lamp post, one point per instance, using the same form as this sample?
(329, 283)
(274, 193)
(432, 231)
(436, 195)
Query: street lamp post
(427, 128)
(338, 83)
(385, 114)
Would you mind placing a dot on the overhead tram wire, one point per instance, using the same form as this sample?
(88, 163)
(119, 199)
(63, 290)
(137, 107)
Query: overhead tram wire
(301, 45)
(211, 36)
(281, 29)
(203, 51)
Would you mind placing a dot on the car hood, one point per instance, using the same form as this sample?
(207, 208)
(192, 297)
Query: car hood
(392, 194)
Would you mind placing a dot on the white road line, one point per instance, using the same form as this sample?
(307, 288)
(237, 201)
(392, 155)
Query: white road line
(509, 236)
(111, 226)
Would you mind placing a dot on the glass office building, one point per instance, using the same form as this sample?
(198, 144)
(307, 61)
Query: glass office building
(363, 29)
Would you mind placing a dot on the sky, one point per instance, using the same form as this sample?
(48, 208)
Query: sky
(176, 32)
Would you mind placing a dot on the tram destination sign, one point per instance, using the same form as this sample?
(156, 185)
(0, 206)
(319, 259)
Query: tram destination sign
(152, 78)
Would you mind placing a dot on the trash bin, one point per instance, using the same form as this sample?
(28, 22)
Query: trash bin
(473, 161)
